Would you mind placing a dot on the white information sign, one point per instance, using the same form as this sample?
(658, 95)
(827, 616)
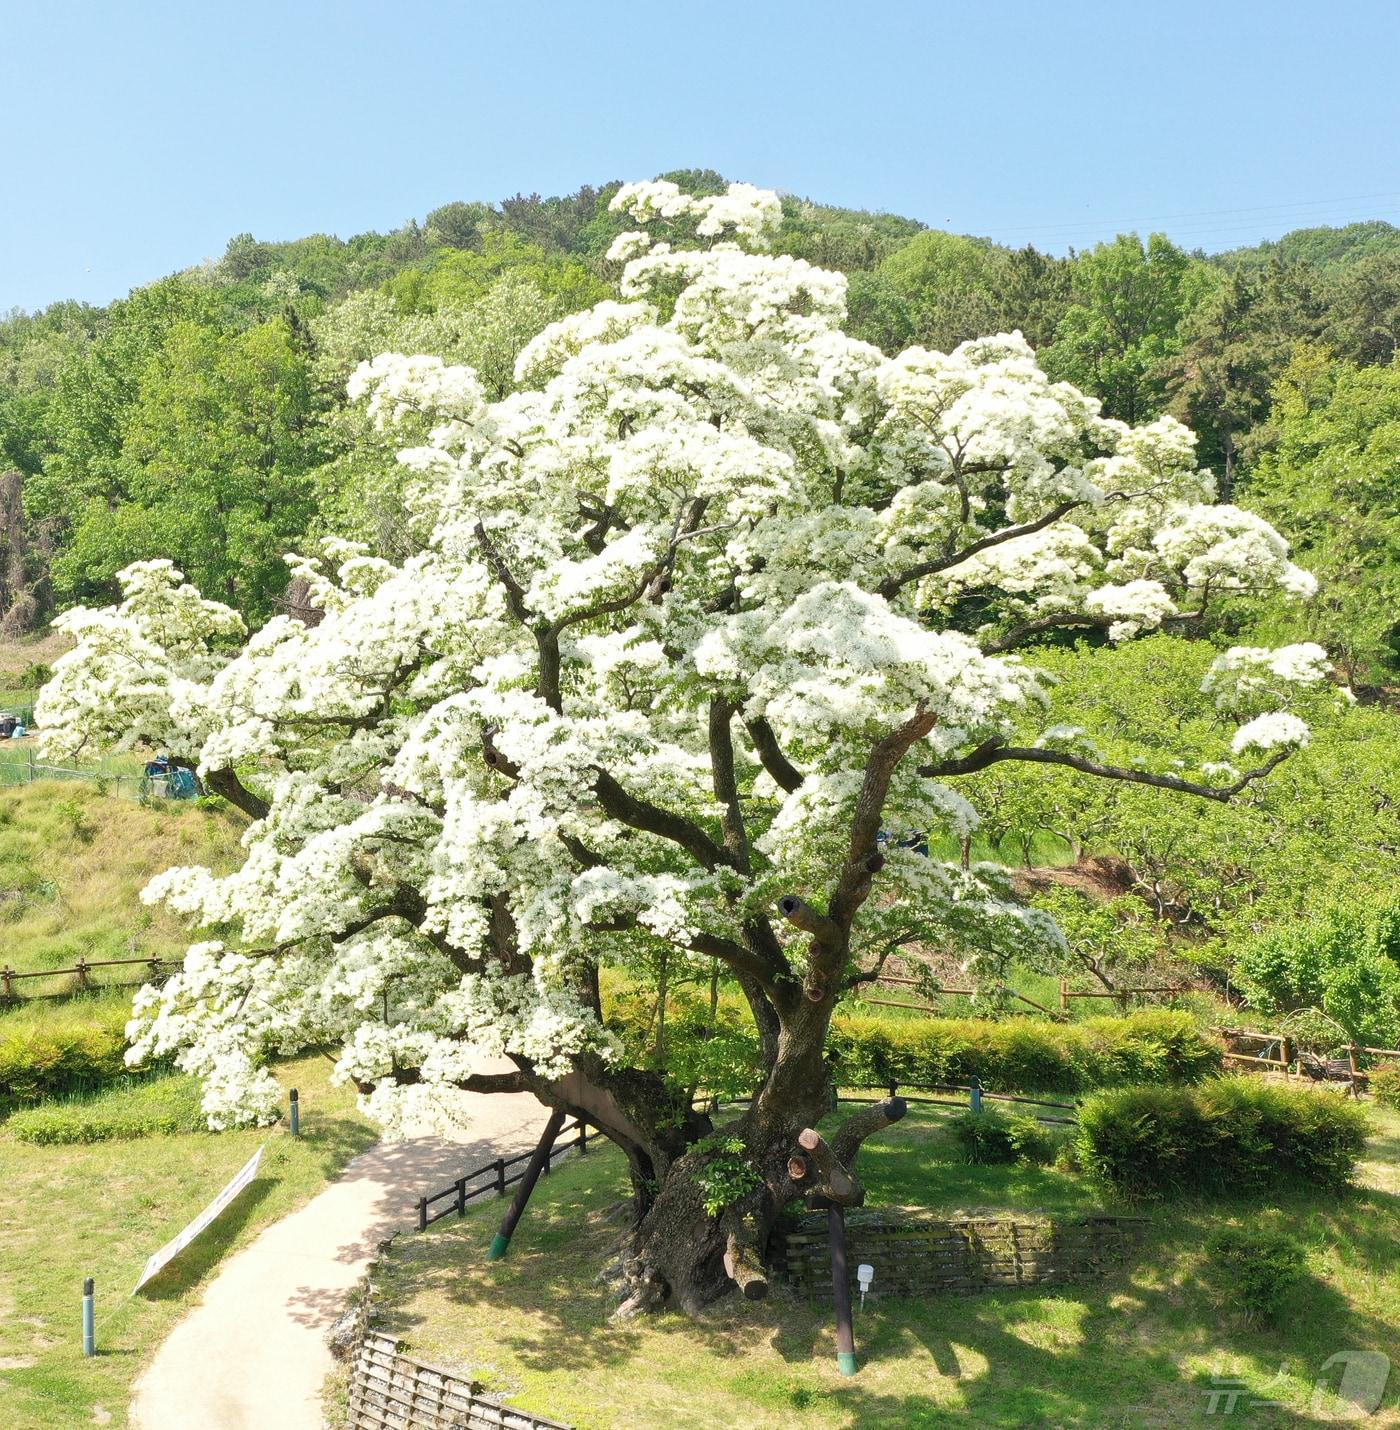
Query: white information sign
(245, 1174)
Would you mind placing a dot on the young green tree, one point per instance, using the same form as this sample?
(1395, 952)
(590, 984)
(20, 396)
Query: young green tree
(1335, 471)
(1129, 298)
(1343, 962)
(210, 467)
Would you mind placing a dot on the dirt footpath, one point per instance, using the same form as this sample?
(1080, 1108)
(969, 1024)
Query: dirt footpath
(252, 1355)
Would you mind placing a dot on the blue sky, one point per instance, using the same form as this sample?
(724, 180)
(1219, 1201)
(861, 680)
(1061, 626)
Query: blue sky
(141, 136)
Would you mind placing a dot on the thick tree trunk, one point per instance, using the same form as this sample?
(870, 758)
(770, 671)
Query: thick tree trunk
(681, 1254)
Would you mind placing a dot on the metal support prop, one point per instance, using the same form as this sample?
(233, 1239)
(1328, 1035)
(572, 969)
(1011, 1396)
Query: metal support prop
(89, 1326)
(501, 1242)
(841, 1287)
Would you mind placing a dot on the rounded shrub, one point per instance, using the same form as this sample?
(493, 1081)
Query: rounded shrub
(1234, 1134)
(1254, 1268)
(1385, 1085)
(988, 1138)
(38, 1061)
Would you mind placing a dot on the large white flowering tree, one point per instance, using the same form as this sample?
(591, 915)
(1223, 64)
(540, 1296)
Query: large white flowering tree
(713, 614)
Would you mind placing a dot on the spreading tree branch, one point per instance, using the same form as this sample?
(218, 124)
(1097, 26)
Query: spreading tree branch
(653, 819)
(862, 859)
(726, 784)
(785, 774)
(993, 752)
(226, 784)
(891, 585)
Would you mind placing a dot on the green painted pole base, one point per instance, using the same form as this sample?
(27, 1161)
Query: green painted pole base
(499, 1246)
(846, 1362)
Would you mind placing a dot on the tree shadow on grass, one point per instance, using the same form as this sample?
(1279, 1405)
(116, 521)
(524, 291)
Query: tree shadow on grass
(337, 1140)
(1151, 1345)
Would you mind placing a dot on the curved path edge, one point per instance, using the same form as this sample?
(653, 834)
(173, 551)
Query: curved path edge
(253, 1354)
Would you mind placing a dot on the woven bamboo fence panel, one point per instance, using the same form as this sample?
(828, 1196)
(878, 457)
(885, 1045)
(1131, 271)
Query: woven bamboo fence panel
(917, 1254)
(392, 1391)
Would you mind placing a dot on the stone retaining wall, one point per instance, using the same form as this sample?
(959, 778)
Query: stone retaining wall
(917, 1253)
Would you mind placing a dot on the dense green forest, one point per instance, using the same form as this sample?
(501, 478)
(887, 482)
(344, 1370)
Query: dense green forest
(204, 416)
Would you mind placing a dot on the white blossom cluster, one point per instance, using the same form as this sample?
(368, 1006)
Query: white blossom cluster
(743, 210)
(708, 512)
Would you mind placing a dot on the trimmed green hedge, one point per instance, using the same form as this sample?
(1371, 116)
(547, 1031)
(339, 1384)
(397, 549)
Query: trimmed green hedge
(871, 1049)
(1029, 1054)
(163, 1105)
(1233, 1134)
(38, 1061)
(1256, 1267)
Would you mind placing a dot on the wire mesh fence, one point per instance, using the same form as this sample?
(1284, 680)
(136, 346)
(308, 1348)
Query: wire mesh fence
(21, 764)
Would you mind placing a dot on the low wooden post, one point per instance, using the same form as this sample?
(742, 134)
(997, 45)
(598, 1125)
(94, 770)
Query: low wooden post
(1351, 1064)
(893, 1087)
(500, 1165)
(841, 1289)
(582, 1138)
(461, 1196)
(422, 1213)
(7, 974)
(539, 1160)
(1064, 995)
(82, 971)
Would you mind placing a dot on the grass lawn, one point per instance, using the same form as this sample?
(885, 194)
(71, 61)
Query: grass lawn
(72, 864)
(1139, 1350)
(73, 1211)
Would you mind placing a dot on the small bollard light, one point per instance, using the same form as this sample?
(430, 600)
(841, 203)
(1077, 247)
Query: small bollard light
(865, 1274)
(296, 1115)
(89, 1329)
(974, 1095)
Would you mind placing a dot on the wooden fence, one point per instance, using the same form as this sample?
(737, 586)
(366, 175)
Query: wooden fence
(975, 1096)
(918, 1253)
(393, 1391)
(493, 1178)
(891, 980)
(1122, 996)
(82, 971)
(1292, 1062)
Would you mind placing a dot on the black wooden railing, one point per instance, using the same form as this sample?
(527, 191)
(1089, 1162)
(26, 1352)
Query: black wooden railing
(571, 1134)
(492, 1178)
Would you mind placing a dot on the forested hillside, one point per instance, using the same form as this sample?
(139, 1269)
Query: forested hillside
(204, 417)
